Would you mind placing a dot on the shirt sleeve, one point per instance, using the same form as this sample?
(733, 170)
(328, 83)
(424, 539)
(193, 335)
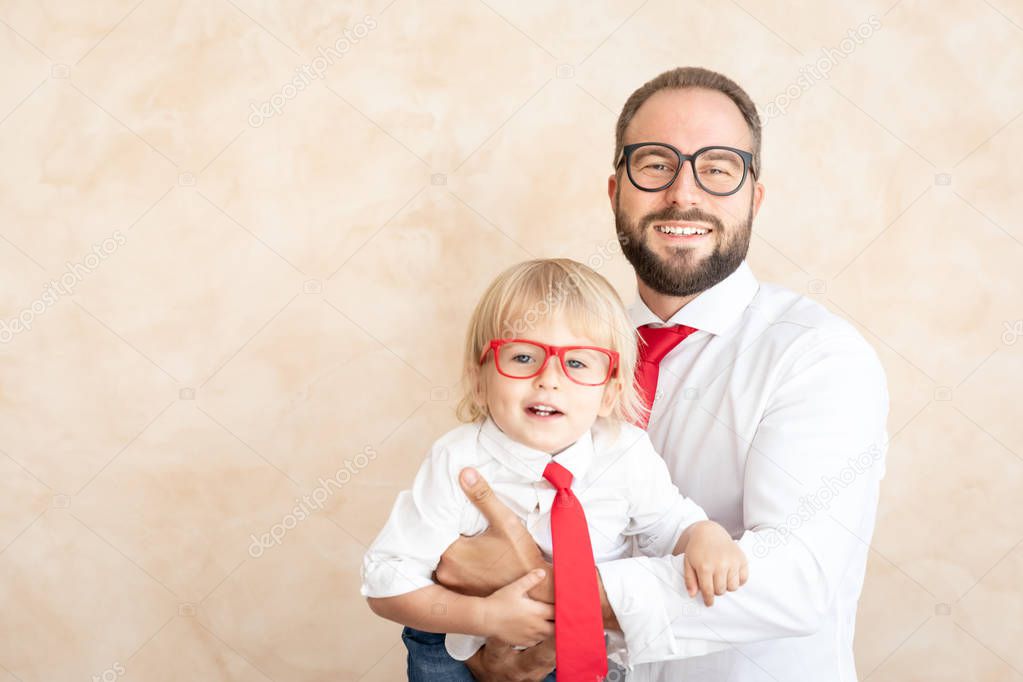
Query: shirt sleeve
(423, 523)
(809, 501)
(658, 512)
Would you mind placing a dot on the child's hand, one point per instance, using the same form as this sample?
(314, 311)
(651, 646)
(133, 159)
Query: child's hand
(713, 562)
(513, 617)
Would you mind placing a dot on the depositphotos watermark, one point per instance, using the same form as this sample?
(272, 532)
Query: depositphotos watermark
(596, 260)
(820, 500)
(110, 674)
(64, 286)
(820, 69)
(307, 73)
(1013, 330)
(305, 505)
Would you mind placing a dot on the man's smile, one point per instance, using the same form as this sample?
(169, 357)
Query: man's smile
(682, 232)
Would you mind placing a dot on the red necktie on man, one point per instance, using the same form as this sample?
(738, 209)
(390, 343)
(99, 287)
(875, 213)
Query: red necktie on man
(578, 623)
(659, 342)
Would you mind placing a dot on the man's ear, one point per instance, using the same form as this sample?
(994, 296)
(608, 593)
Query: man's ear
(759, 191)
(612, 185)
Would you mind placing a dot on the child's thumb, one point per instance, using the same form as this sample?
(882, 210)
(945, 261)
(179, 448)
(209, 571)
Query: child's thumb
(528, 581)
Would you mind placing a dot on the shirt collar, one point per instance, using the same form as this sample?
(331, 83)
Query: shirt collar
(529, 462)
(714, 310)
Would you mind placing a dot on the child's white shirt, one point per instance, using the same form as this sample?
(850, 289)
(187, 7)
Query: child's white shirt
(631, 506)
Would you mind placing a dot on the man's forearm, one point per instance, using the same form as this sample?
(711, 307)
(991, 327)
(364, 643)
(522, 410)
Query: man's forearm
(787, 595)
(495, 661)
(466, 584)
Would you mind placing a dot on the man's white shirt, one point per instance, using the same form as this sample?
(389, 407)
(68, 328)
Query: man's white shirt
(621, 482)
(772, 417)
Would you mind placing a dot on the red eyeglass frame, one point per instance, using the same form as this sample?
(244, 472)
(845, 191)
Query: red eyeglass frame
(556, 351)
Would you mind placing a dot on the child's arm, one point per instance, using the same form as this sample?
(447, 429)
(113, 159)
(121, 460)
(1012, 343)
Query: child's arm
(508, 614)
(662, 518)
(714, 562)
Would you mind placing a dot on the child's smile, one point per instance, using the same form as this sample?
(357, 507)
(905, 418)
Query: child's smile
(544, 411)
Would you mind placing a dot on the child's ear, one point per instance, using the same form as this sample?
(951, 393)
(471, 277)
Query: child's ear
(612, 393)
(479, 395)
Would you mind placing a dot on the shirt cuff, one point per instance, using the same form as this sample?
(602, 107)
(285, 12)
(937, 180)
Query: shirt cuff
(393, 576)
(683, 514)
(643, 611)
(462, 647)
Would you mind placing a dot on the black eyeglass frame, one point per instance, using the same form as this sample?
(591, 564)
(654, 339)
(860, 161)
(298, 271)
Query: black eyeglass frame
(747, 163)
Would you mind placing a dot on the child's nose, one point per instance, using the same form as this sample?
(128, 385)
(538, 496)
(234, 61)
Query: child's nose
(551, 375)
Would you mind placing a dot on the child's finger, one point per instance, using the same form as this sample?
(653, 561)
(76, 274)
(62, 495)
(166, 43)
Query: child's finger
(733, 580)
(546, 610)
(707, 586)
(743, 574)
(720, 581)
(690, 577)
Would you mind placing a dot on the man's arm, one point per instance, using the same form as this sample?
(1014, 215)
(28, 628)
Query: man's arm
(485, 563)
(500, 555)
(809, 501)
(498, 662)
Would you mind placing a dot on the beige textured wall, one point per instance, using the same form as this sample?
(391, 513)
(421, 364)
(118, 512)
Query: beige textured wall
(256, 301)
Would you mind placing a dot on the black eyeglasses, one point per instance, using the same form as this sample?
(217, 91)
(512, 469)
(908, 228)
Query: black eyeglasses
(654, 166)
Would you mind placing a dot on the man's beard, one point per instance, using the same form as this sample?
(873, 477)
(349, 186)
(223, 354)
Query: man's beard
(681, 275)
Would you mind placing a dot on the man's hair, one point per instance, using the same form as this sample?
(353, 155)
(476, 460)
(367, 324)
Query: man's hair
(692, 77)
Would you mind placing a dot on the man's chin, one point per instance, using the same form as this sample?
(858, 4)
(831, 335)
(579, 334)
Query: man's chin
(677, 272)
(683, 259)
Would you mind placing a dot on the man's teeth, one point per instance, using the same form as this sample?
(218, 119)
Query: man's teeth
(668, 229)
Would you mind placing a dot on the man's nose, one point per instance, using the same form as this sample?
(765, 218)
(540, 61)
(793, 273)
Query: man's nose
(684, 191)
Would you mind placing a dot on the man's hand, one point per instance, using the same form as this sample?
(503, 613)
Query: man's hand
(499, 662)
(500, 555)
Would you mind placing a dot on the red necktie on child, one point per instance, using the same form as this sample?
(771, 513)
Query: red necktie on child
(659, 342)
(579, 626)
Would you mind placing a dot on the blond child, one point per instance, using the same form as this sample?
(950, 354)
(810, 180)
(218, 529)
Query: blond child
(549, 370)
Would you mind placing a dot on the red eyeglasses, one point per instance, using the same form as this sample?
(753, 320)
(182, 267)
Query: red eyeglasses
(524, 359)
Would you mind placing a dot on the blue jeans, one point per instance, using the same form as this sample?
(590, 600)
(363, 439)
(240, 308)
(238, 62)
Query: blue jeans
(429, 661)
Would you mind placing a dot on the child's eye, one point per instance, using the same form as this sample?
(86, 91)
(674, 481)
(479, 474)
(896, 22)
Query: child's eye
(576, 364)
(522, 357)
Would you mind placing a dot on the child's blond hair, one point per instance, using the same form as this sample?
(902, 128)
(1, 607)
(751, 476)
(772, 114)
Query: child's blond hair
(535, 291)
